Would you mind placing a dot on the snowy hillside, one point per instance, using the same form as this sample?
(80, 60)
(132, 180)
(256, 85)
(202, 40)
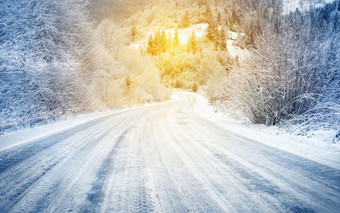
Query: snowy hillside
(68, 57)
(54, 63)
(38, 62)
(282, 71)
(200, 31)
(183, 35)
(291, 5)
(87, 123)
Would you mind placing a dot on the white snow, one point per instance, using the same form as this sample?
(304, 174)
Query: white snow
(233, 35)
(27, 135)
(185, 33)
(177, 156)
(136, 46)
(236, 51)
(200, 31)
(314, 148)
(292, 5)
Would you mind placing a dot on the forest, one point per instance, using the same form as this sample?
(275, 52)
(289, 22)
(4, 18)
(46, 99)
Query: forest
(252, 57)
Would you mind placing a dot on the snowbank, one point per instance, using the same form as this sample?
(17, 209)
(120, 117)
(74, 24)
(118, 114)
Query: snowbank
(314, 148)
(27, 135)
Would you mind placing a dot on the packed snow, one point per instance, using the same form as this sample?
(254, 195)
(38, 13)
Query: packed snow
(60, 59)
(167, 157)
(317, 148)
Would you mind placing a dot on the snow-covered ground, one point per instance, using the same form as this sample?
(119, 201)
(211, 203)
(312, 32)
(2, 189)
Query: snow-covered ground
(27, 135)
(317, 148)
(236, 51)
(175, 156)
(185, 33)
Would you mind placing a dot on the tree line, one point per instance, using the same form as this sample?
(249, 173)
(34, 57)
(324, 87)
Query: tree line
(292, 76)
(161, 43)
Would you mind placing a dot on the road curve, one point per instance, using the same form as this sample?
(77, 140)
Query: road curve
(161, 158)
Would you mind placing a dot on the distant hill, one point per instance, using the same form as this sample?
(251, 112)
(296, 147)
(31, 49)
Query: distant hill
(291, 5)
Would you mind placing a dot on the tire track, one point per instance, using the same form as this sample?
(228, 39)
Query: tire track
(33, 174)
(94, 160)
(253, 178)
(14, 156)
(160, 158)
(96, 195)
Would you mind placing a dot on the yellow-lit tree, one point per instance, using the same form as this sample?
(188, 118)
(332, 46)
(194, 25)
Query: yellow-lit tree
(151, 46)
(163, 43)
(192, 44)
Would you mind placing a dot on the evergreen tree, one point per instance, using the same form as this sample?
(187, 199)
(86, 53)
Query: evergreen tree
(194, 87)
(176, 40)
(212, 33)
(163, 42)
(200, 4)
(133, 32)
(209, 18)
(222, 39)
(151, 46)
(219, 19)
(184, 20)
(235, 19)
(331, 60)
(192, 44)
(157, 42)
(169, 43)
(336, 23)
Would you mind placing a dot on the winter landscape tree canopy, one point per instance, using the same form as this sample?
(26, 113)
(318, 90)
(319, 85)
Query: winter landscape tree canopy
(274, 62)
(170, 106)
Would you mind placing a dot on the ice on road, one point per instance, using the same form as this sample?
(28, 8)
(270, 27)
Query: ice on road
(161, 158)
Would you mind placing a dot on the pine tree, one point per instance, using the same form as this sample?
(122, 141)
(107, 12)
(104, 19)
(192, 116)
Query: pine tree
(219, 19)
(174, 43)
(194, 87)
(200, 4)
(184, 20)
(176, 40)
(235, 18)
(331, 60)
(209, 18)
(169, 43)
(163, 42)
(222, 39)
(192, 44)
(151, 46)
(133, 32)
(157, 42)
(336, 23)
(212, 33)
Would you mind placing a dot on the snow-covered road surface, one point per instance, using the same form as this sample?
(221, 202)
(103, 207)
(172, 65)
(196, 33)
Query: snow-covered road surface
(161, 158)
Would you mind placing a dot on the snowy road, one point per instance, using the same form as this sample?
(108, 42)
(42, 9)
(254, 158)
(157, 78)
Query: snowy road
(161, 158)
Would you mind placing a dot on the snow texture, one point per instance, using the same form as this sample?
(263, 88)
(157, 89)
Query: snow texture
(292, 5)
(38, 43)
(161, 158)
